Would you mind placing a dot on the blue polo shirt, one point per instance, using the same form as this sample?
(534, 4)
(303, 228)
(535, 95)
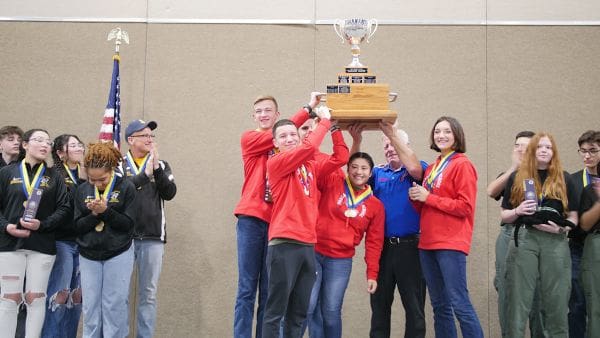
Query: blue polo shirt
(391, 188)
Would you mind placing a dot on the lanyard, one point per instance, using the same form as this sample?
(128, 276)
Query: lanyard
(438, 169)
(134, 166)
(28, 186)
(107, 190)
(70, 173)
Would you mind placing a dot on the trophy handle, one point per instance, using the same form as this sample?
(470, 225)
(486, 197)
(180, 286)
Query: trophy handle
(393, 97)
(337, 27)
(371, 32)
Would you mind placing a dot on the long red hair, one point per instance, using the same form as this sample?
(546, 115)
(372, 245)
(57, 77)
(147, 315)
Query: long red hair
(554, 187)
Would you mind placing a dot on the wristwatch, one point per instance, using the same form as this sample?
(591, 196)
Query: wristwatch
(311, 113)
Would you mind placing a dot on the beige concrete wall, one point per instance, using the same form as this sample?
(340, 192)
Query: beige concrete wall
(198, 82)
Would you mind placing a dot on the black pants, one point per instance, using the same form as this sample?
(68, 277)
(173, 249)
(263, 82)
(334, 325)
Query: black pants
(399, 266)
(291, 271)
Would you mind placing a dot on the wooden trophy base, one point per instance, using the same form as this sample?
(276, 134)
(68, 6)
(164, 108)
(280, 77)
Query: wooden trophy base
(357, 98)
(369, 118)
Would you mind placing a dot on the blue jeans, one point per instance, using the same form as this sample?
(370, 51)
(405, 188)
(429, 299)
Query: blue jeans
(105, 286)
(446, 278)
(148, 260)
(577, 311)
(62, 318)
(252, 275)
(333, 275)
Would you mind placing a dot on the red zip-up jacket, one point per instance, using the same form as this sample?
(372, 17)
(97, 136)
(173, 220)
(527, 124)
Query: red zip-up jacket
(448, 214)
(338, 235)
(295, 205)
(256, 146)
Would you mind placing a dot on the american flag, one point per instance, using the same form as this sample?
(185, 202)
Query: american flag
(111, 122)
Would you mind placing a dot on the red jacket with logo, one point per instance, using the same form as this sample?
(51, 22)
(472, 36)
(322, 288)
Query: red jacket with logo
(338, 235)
(256, 148)
(295, 196)
(448, 214)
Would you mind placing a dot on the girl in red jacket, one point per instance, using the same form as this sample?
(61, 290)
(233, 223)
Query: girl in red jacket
(447, 205)
(347, 211)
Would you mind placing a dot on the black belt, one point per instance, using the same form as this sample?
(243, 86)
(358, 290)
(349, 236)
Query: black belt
(394, 240)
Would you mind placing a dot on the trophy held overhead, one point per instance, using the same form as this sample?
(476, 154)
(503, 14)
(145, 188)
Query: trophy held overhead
(357, 97)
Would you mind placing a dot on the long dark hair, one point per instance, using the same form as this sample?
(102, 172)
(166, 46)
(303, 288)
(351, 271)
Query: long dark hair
(61, 143)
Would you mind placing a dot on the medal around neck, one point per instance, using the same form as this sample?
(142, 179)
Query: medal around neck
(351, 213)
(99, 227)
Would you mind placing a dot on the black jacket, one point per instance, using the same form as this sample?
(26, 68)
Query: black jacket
(68, 231)
(151, 194)
(117, 234)
(54, 210)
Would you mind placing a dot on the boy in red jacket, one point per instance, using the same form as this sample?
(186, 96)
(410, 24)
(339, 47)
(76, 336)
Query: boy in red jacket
(293, 173)
(254, 212)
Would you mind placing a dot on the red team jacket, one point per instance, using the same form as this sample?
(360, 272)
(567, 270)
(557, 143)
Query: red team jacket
(295, 196)
(448, 214)
(256, 147)
(338, 235)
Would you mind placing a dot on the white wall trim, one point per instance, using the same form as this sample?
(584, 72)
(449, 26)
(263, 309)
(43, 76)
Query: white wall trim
(423, 22)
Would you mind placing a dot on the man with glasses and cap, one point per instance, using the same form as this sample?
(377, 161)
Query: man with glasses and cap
(154, 184)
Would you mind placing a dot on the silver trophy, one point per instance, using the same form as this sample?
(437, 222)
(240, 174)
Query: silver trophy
(355, 31)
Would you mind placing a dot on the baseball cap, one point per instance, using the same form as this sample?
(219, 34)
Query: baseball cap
(137, 125)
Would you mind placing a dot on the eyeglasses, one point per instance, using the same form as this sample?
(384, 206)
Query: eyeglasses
(42, 140)
(148, 136)
(591, 152)
(75, 145)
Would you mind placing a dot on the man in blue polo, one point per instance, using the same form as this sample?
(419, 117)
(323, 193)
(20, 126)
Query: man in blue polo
(399, 265)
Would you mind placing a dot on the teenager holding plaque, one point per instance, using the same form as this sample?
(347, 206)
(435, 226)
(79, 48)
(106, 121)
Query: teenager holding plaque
(104, 220)
(253, 212)
(63, 307)
(540, 248)
(348, 211)
(27, 248)
(446, 202)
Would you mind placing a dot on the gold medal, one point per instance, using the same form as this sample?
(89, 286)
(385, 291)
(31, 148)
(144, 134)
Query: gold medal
(25, 204)
(351, 213)
(100, 227)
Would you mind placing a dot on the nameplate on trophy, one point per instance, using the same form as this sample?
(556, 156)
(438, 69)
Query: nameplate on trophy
(32, 205)
(356, 70)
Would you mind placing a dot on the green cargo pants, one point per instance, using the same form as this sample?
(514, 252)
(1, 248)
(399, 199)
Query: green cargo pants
(590, 277)
(545, 256)
(536, 326)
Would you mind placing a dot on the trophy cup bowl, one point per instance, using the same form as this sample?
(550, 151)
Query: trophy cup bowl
(355, 31)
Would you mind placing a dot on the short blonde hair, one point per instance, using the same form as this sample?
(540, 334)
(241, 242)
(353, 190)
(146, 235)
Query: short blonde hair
(266, 98)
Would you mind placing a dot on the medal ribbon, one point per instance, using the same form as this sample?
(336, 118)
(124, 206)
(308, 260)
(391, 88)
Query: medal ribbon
(586, 178)
(352, 201)
(107, 190)
(37, 178)
(304, 180)
(134, 166)
(438, 169)
(70, 173)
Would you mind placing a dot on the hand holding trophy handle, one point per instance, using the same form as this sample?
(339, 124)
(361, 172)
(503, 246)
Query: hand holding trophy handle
(393, 97)
(338, 27)
(371, 29)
